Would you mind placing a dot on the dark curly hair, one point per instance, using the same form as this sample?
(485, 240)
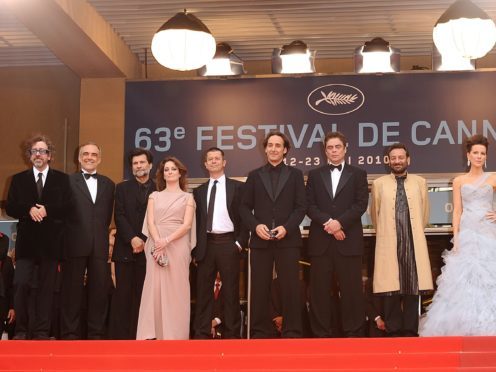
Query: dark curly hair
(28, 144)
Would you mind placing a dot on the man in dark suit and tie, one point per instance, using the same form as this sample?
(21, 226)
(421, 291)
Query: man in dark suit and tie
(273, 207)
(38, 199)
(337, 196)
(131, 199)
(87, 247)
(220, 238)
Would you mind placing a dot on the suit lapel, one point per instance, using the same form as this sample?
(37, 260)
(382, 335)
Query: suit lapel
(345, 176)
(48, 183)
(81, 184)
(283, 178)
(135, 191)
(100, 185)
(326, 178)
(31, 183)
(265, 176)
(204, 196)
(229, 193)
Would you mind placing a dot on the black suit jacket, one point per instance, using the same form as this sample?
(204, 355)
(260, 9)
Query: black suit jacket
(234, 191)
(39, 239)
(347, 206)
(129, 214)
(87, 231)
(286, 208)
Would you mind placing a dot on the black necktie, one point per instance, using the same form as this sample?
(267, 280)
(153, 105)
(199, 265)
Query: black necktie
(87, 175)
(39, 185)
(338, 167)
(210, 209)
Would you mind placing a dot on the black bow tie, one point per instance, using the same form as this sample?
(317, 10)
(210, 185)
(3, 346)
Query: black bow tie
(88, 175)
(338, 167)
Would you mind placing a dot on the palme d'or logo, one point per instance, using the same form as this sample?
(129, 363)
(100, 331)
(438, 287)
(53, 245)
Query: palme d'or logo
(336, 99)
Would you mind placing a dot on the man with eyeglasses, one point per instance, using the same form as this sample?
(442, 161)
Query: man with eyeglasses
(38, 199)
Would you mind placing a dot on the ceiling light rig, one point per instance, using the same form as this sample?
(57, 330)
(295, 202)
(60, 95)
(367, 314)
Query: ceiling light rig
(183, 43)
(293, 58)
(463, 32)
(224, 63)
(376, 56)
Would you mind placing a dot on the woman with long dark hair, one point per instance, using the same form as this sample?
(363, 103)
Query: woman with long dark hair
(465, 302)
(169, 226)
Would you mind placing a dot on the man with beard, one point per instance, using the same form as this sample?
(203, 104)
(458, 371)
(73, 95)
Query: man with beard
(402, 271)
(131, 198)
(38, 198)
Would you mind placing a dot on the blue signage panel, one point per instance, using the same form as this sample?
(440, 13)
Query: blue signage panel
(431, 112)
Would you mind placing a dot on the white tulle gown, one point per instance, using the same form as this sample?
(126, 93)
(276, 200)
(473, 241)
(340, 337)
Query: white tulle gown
(465, 301)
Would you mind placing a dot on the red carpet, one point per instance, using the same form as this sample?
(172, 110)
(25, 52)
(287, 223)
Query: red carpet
(399, 354)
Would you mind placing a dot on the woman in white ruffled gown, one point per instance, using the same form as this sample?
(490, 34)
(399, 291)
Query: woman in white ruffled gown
(465, 301)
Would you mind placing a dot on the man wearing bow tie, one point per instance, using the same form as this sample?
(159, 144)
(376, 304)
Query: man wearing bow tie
(38, 199)
(86, 247)
(337, 196)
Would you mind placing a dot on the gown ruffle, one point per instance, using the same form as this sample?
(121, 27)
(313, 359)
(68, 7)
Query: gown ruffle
(465, 301)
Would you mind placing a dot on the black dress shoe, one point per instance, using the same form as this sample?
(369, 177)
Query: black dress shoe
(20, 336)
(41, 337)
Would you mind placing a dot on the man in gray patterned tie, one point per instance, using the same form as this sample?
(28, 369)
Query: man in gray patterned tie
(402, 271)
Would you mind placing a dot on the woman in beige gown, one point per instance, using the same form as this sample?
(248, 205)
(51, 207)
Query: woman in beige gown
(165, 302)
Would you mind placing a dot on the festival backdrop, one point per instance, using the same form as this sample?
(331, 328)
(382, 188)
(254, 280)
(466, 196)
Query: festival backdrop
(431, 112)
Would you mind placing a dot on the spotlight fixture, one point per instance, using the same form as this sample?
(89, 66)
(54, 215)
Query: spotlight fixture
(296, 58)
(183, 43)
(465, 30)
(224, 63)
(376, 57)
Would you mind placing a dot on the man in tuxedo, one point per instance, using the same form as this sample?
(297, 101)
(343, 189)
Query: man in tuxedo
(220, 238)
(131, 198)
(38, 199)
(273, 207)
(337, 196)
(86, 247)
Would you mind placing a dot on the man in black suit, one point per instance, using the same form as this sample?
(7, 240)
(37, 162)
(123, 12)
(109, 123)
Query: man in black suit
(86, 247)
(131, 198)
(273, 207)
(38, 199)
(220, 238)
(337, 196)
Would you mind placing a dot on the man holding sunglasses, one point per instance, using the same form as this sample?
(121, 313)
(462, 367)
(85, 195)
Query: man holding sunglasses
(37, 198)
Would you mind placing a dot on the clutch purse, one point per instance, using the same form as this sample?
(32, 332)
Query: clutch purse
(161, 260)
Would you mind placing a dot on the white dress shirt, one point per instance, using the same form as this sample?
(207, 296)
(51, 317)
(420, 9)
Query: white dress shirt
(92, 184)
(43, 177)
(335, 177)
(221, 221)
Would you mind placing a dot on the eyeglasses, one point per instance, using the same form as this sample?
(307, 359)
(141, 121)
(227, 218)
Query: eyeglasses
(39, 151)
